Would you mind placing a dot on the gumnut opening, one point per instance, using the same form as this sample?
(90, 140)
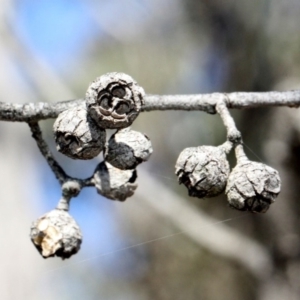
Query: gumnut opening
(77, 135)
(114, 100)
(113, 183)
(252, 186)
(127, 148)
(56, 234)
(203, 170)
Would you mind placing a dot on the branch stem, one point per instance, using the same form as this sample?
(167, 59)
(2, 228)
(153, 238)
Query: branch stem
(71, 187)
(233, 134)
(240, 154)
(44, 149)
(33, 112)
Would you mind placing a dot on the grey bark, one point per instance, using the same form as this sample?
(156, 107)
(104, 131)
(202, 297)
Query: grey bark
(60, 174)
(204, 102)
(43, 147)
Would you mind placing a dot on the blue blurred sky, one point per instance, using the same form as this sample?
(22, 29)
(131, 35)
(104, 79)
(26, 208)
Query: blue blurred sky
(59, 30)
(55, 29)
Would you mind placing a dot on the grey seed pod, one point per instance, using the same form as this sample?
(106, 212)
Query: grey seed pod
(113, 183)
(56, 234)
(127, 148)
(252, 186)
(77, 135)
(203, 170)
(114, 100)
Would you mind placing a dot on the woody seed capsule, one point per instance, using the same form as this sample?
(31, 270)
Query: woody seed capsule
(203, 170)
(77, 135)
(113, 183)
(252, 186)
(56, 234)
(128, 148)
(114, 100)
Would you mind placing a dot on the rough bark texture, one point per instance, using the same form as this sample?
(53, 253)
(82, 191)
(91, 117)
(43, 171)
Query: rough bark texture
(205, 102)
(44, 149)
(127, 148)
(58, 171)
(233, 134)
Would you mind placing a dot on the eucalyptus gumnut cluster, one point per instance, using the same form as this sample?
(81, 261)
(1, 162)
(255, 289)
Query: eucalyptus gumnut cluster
(205, 171)
(250, 186)
(112, 101)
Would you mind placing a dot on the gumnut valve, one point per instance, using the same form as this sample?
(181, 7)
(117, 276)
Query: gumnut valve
(114, 100)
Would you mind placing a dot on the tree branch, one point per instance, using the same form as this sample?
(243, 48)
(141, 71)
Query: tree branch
(234, 136)
(43, 147)
(60, 174)
(33, 112)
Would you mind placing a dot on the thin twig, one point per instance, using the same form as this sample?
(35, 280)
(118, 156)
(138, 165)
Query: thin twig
(43, 147)
(233, 134)
(207, 102)
(87, 182)
(33, 112)
(60, 174)
(240, 154)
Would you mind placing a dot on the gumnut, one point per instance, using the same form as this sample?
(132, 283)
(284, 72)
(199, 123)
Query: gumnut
(128, 148)
(56, 234)
(76, 134)
(114, 100)
(252, 186)
(203, 170)
(113, 183)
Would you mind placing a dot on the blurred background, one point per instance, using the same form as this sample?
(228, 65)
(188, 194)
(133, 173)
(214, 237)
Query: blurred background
(159, 244)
